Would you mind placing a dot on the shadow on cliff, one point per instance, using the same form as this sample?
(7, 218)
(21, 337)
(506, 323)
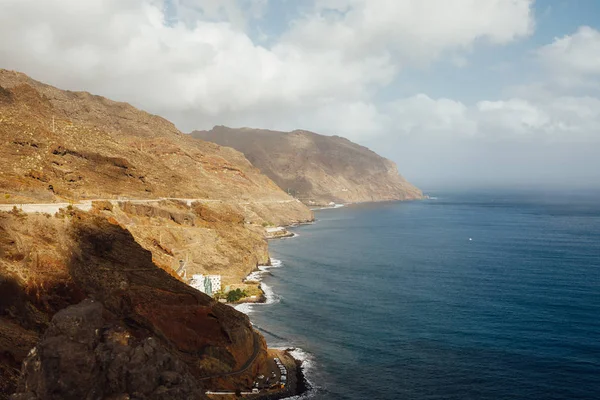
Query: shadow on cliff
(113, 269)
(30, 295)
(190, 336)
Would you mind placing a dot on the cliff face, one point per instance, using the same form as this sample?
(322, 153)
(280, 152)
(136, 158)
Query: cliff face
(149, 335)
(316, 168)
(60, 146)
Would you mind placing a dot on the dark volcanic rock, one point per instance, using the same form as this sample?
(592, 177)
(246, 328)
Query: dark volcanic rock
(141, 333)
(85, 354)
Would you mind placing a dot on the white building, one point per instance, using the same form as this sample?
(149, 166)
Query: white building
(215, 281)
(209, 284)
(197, 282)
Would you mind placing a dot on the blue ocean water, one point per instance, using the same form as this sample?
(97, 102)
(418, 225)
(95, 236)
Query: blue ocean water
(466, 296)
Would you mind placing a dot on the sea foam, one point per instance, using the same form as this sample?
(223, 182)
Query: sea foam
(257, 276)
(328, 207)
(307, 365)
(306, 359)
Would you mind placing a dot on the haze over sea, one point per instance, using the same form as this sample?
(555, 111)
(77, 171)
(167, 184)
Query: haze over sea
(465, 296)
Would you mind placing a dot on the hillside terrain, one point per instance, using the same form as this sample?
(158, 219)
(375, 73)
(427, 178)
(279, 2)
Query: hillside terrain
(141, 332)
(315, 168)
(73, 145)
(210, 209)
(61, 146)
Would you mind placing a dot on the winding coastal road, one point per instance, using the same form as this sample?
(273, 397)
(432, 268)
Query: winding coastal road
(86, 205)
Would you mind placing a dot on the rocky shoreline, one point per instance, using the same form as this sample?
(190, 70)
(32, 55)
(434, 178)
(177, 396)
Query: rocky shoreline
(279, 232)
(297, 383)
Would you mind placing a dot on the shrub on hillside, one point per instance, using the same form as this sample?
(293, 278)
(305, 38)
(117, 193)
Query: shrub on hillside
(235, 295)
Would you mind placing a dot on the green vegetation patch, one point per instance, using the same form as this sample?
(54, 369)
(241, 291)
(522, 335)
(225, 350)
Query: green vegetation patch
(236, 295)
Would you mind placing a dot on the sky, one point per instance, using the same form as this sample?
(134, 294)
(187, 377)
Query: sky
(459, 93)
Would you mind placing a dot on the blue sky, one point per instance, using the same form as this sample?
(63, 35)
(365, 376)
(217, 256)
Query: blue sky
(461, 92)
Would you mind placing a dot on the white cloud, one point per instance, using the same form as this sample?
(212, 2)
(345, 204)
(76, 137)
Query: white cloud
(237, 12)
(579, 52)
(418, 30)
(514, 116)
(573, 59)
(555, 119)
(193, 61)
(422, 115)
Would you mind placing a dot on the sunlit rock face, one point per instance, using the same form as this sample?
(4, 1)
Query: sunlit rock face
(317, 169)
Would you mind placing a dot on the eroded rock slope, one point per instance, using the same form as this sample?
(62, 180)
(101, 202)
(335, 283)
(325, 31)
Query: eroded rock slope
(140, 316)
(315, 168)
(211, 209)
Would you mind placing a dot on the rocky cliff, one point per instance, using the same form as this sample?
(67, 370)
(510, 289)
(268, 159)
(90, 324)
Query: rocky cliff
(61, 146)
(111, 322)
(317, 169)
(198, 202)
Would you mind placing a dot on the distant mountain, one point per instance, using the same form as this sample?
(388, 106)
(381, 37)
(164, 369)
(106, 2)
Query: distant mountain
(315, 168)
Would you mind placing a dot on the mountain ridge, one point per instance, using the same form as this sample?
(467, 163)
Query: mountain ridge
(316, 168)
(71, 147)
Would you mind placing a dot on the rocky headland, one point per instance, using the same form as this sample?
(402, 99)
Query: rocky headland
(94, 293)
(102, 318)
(317, 169)
(61, 146)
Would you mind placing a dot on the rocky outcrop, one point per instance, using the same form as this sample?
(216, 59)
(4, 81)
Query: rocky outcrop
(212, 237)
(51, 263)
(61, 146)
(317, 169)
(200, 202)
(87, 354)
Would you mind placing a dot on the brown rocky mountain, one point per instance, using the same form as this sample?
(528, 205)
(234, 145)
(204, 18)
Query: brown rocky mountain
(211, 206)
(140, 333)
(317, 169)
(61, 146)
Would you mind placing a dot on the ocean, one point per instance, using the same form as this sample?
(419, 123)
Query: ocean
(473, 295)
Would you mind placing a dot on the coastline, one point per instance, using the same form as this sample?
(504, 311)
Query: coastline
(296, 386)
(296, 357)
(302, 360)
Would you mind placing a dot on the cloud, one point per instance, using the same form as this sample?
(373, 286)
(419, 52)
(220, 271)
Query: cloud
(236, 12)
(562, 119)
(573, 59)
(333, 69)
(193, 60)
(422, 115)
(417, 31)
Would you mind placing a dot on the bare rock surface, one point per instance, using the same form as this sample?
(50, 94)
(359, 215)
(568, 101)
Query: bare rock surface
(50, 264)
(146, 334)
(86, 354)
(61, 146)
